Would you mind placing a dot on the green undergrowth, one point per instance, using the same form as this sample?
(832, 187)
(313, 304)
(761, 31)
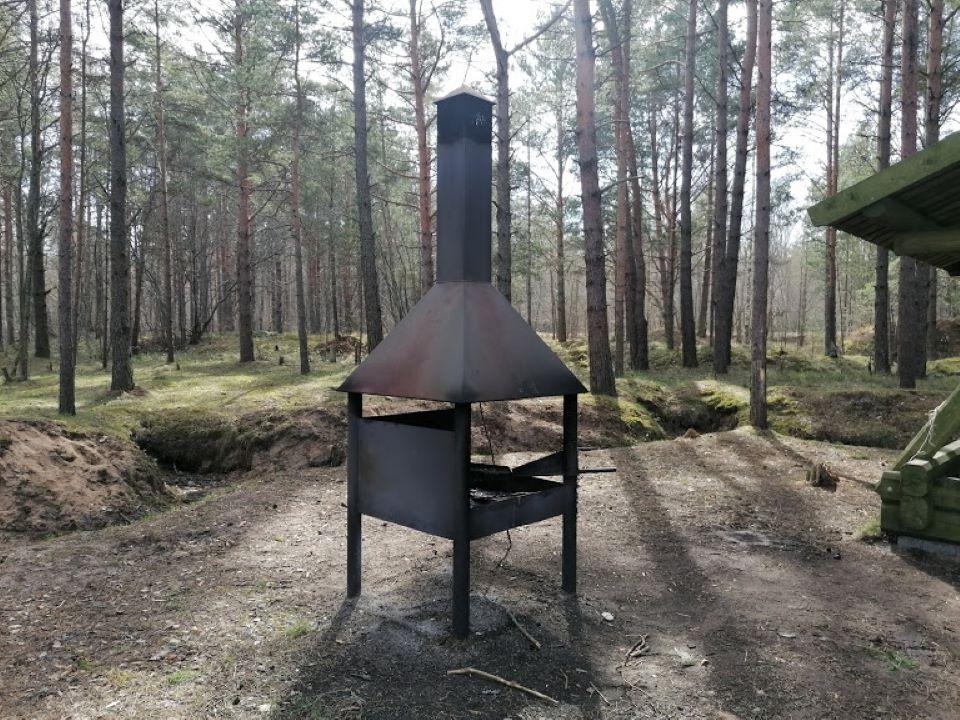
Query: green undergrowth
(809, 395)
(206, 378)
(209, 412)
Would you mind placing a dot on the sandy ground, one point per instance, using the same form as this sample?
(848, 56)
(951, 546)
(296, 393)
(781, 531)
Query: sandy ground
(749, 588)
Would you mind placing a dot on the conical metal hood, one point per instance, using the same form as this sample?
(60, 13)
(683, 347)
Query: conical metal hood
(463, 342)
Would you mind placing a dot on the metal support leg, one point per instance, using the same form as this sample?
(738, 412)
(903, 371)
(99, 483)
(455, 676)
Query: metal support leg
(354, 412)
(571, 472)
(461, 533)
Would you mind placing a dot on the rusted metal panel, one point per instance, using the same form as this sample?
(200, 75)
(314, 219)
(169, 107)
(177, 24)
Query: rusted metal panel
(405, 474)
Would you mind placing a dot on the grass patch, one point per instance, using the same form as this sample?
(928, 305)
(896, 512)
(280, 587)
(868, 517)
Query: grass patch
(180, 677)
(119, 678)
(896, 661)
(870, 531)
(297, 630)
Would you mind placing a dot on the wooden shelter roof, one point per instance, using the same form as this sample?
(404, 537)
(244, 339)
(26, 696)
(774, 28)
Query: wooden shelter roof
(911, 208)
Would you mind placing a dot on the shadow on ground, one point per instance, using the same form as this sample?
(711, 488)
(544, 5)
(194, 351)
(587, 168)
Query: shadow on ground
(388, 660)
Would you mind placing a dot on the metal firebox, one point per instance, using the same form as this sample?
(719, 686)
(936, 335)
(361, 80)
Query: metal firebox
(463, 343)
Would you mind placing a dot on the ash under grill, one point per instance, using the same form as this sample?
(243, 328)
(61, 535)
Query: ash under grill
(463, 343)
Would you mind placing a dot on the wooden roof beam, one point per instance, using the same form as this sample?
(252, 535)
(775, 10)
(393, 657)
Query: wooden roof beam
(928, 242)
(906, 174)
(899, 217)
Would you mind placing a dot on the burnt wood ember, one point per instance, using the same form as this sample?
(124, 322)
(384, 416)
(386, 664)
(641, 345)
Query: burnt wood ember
(463, 343)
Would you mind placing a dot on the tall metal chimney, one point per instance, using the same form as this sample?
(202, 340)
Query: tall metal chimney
(463, 343)
(464, 177)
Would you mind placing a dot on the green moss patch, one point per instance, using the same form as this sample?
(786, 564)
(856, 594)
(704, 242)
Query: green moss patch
(196, 440)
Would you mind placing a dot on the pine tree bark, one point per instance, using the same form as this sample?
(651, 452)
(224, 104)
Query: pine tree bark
(244, 232)
(81, 214)
(598, 331)
(67, 393)
(166, 312)
(704, 306)
(688, 332)
(8, 256)
(727, 282)
(504, 257)
(932, 110)
(910, 302)
(834, 94)
(35, 259)
(424, 199)
(295, 197)
(121, 377)
(625, 328)
(720, 189)
(639, 348)
(368, 258)
(560, 327)
(881, 295)
(761, 246)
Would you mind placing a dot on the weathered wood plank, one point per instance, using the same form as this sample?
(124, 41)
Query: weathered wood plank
(924, 166)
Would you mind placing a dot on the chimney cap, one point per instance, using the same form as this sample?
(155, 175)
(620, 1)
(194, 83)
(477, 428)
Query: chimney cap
(464, 90)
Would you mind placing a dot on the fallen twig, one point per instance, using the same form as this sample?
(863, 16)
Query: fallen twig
(503, 681)
(639, 648)
(597, 691)
(523, 630)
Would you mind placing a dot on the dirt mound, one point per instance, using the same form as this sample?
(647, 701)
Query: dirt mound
(53, 479)
(204, 442)
(886, 419)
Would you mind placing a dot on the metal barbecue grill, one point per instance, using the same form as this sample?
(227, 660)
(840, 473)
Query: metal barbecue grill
(463, 343)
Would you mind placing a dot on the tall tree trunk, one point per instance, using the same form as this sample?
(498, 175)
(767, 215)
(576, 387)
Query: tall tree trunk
(8, 257)
(166, 312)
(834, 94)
(296, 220)
(67, 394)
(368, 257)
(720, 189)
(727, 285)
(934, 96)
(277, 300)
(881, 295)
(625, 284)
(910, 303)
(139, 270)
(688, 332)
(639, 349)
(598, 332)
(244, 232)
(424, 209)
(504, 268)
(35, 260)
(761, 247)
(82, 211)
(703, 307)
(560, 328)
(332, 269)
(23, 276)
(121, 379)
(529, 278)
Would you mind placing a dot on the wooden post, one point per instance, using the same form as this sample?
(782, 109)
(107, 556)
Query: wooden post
(571, 471)
(354, 413)
(461, 531)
